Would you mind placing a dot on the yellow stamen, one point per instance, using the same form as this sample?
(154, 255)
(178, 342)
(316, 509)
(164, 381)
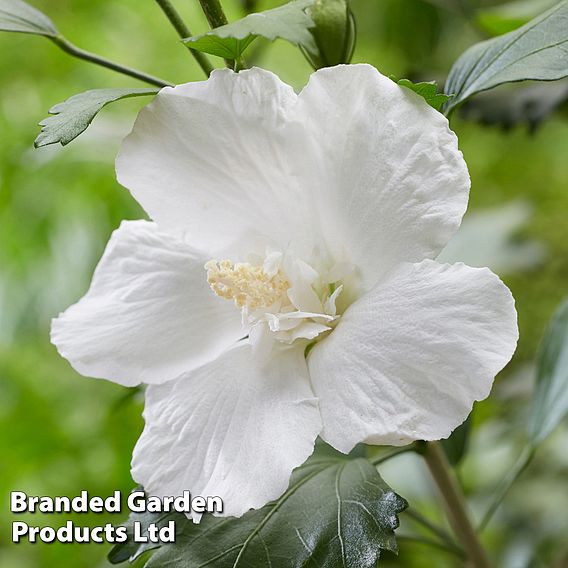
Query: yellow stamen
(248, 285)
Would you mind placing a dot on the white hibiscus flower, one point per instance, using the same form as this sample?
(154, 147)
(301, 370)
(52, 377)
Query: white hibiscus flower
(285, 288)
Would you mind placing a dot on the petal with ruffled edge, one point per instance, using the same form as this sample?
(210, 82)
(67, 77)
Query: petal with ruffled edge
(407, 360)
(233, 428)
(211, 158)
(393, 185)
(149, 314)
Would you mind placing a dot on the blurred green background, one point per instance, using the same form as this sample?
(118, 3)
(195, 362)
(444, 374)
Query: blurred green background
(61, 433)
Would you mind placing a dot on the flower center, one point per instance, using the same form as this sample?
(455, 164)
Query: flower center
(248, 285)
(282, 298)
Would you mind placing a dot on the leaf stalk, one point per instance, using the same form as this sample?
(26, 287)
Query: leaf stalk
(431, 542)
(455, 504)
(442, 534)
(522, 463)
(75, 51)
(183, 31)
(216, 17)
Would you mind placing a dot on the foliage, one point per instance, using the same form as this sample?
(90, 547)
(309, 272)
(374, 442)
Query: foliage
(550, 403)
(66, 434)
(536, 51)
(73, 116)
(289, 22)
(455, 446)
(335, 508)
(18, 16)
(523, 104)
(428, 91)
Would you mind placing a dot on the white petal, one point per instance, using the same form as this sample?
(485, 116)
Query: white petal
(393, 184)
(232, 428)
(149, 314)
(212, 158)
(408, 359)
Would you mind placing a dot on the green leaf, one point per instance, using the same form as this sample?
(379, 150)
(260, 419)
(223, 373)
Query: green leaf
(130, 550)
(550, 401)
(289, 22)
(427, 90)
(527, 104)
(19, 16)
(337, 512)
(536, 51)
(507, 17)
(73, 116)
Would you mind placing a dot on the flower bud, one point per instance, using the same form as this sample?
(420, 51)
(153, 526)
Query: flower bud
(334, 33)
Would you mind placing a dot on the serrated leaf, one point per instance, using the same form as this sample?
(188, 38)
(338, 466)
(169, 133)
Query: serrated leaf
(337, 512)
(19, 16)
(73, 116)
(427, 90)
(289, 22)
(536, 51)
(550, 400)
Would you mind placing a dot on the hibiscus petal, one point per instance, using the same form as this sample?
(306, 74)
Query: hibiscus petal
(233, 428)
(393, 185)
(211, 158)
(408, 359)
(149, 314)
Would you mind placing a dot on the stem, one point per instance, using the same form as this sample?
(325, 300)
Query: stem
(250, 6)
(183, 31)
(432, 527)
(75, 51)
(454, 501)
(216, 17)
(522, 463)
(214, 13)
(431, 542)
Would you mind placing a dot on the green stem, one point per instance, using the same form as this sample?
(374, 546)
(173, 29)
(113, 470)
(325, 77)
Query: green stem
(183, 31)
(454, 501)
(442, 534)
(75, 51)
(393, 453)
(522, 463)
(431, 542)
(250, 6)
(216, 17)
(214, 13)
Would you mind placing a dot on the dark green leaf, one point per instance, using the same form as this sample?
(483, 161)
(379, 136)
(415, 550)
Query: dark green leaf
(518, 104)
(337, 512)
(19, 16)
(73, 116)
(550, 401)
(428, 91)
(455, 447)
(536, 51)
(131, 550)
(289, 22)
